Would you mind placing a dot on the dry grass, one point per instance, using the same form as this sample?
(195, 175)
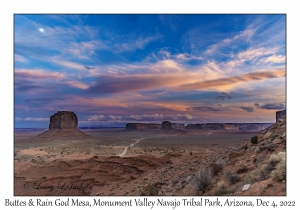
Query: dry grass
(279, 173)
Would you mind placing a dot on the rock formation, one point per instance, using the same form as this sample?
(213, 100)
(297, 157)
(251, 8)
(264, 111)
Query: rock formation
(169, 128)
(178, 126)
(63, 119)
(211, 126)
(142, 126)
(280, 114)
(63, 124)
(167, 125)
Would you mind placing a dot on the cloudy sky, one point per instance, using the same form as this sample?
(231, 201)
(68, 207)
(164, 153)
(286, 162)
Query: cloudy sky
(114, 69)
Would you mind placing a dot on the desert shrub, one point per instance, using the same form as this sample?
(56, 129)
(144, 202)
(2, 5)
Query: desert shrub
(215, 168)
(249, 179)
(276, 158)
(202, 179)
(259, 149)
(221, 190)
(260, 158)
(276, 161)
(279, 173)
(258, 174)
(150, 190)
(273, 136)
(232, 178)
(254, 139)
(220, 162)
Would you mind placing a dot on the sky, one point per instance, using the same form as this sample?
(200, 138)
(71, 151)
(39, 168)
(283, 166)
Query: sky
(115, 69)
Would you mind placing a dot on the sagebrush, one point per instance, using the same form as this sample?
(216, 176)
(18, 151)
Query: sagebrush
(202, 179)
(232, 178)
(150, 190)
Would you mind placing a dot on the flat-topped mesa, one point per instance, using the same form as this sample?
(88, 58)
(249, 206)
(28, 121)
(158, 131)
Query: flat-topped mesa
(196, 126)
(63, 119)
(142, 126)
(211, 126)
(63, 124)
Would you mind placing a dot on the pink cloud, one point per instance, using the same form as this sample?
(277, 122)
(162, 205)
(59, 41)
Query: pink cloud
(38, 74)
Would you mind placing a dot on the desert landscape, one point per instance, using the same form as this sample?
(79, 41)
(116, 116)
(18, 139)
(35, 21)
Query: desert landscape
(149, 104)
(163, 161)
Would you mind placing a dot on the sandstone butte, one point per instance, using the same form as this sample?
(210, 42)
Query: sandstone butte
(63, 124)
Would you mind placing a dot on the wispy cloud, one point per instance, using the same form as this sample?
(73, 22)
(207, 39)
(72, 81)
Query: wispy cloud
(129, 83)
(39, 101)
(274, 59)
(134, 44)
(67, 64)
(84, 50)
(247, 108)
(273, 106)
(226, 95)
(231, 81)
(77, 84)
(186, 56)
(207, 109)
(241, 36)
(31, 119)
(33, 74)
(20, 58)
(257, 105)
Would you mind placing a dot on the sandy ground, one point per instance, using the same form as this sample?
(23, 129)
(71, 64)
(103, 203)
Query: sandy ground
(115, 162)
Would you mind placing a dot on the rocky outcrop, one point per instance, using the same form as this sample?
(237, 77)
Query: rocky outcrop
(280, 114)
(171, 128)
(167, 125)
(63, 119)
(63, 124)
(142, 126)
(230, 127)
(275, 133)
(178, 126)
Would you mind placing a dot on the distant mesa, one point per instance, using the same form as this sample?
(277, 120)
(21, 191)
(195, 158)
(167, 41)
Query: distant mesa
(196, 126)
(212, 126)
(167, 125)
(164, 127)
(142, 126)
(63, 124)
(171, 128)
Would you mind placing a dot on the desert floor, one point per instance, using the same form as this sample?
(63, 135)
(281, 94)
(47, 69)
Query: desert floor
(116, 162)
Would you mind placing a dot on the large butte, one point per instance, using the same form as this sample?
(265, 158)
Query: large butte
(63, 124)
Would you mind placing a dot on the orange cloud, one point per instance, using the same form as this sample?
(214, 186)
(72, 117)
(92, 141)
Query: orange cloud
(230, 81)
